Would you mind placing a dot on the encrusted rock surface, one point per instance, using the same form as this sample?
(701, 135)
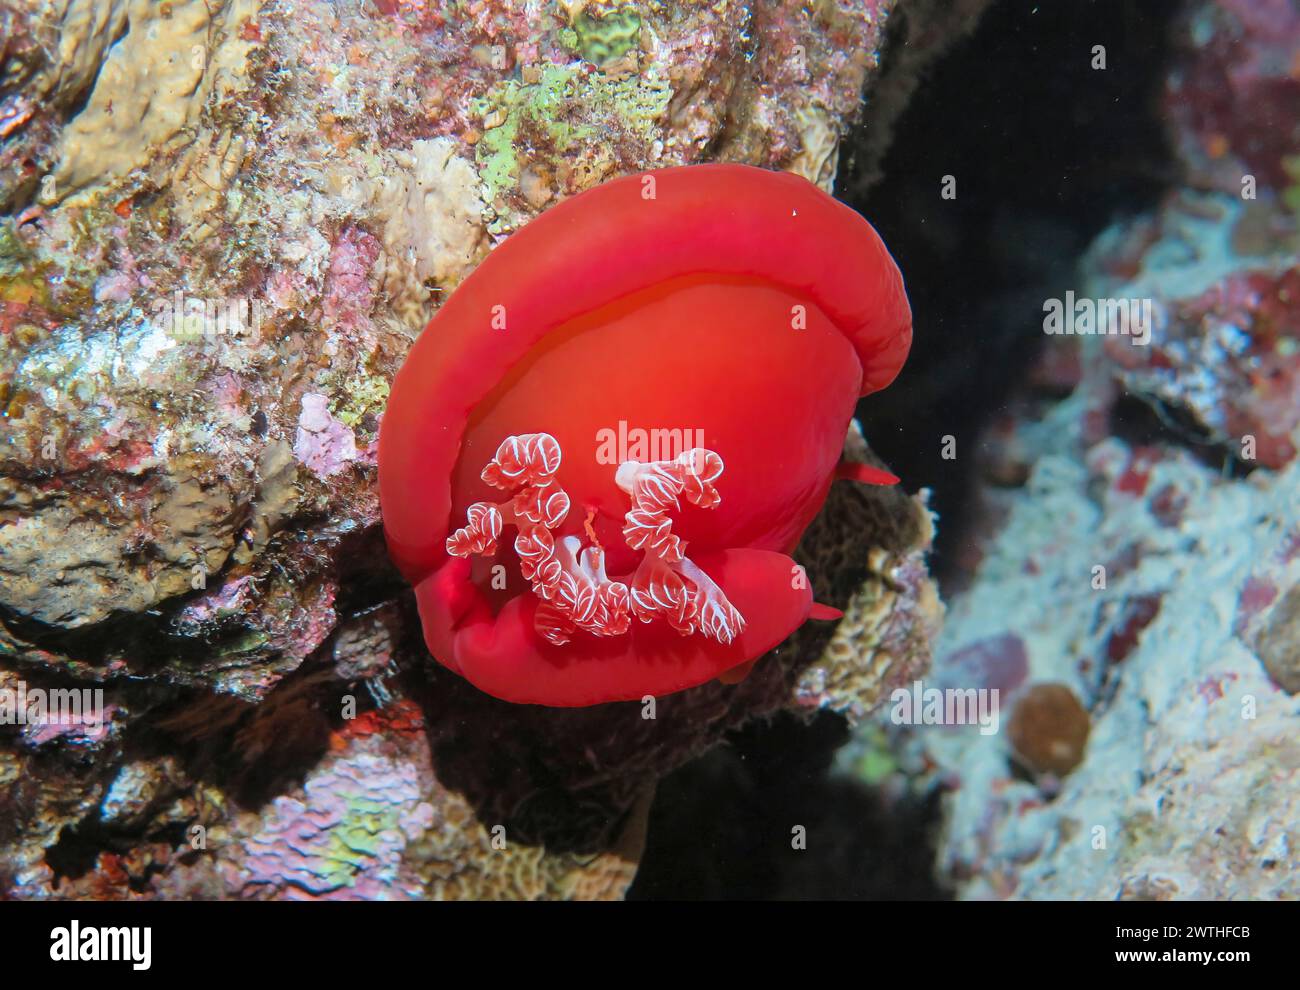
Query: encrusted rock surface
(1143, 541)
(220, 236)
(1190, 776)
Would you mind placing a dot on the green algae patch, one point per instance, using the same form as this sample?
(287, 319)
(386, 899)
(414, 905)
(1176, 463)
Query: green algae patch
(601, 40)
(569, 119)
(876, 763)
(1291, 194)
(359, 395)
(22, 278)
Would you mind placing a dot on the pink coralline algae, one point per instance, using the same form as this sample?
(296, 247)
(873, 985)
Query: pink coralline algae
(72, 729)
(1137, 614)
(1268, 613)
(348, 297)
(344, 837)
(1257, 594)
(1233, 101)
(230, 597)
(324, 444)
(1231, 355)
(996, 662)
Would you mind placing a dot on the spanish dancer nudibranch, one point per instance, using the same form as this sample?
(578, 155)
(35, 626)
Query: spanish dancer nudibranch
(736, 314)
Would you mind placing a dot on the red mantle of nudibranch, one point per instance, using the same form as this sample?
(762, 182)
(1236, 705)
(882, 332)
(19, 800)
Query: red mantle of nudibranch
(664, 300)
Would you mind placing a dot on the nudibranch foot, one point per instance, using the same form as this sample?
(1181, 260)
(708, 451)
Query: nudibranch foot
(569, 578)
(864, 474)
(825, 613)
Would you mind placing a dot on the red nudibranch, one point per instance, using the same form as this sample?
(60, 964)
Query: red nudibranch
(733, 314)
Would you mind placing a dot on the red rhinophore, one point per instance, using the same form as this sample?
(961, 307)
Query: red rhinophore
(560, 554)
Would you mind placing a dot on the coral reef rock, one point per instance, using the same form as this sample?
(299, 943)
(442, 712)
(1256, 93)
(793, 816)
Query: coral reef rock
(223, 223)
(1157, 580)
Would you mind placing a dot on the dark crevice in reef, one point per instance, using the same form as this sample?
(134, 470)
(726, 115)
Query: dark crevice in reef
(724, 826)
(1047, 152)
(79, 847)
(150, 641)
(1146, 421)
